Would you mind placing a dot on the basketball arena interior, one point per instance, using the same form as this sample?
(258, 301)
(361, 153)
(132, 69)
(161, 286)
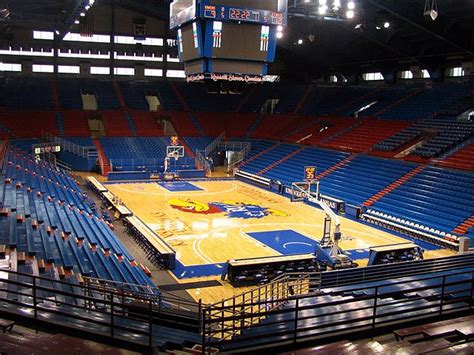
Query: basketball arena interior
(236, 176)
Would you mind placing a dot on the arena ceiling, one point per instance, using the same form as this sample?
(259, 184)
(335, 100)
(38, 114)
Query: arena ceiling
(327, 46)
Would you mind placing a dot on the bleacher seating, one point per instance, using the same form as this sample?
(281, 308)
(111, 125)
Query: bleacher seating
(451, 133)
(25, 124)
(429, 102)
(341, 100)
(184, 125)
(134, 94)
(441, 134)
(317, 130)
(26, 93)
(197, 143)
(146, 123)
(234, 124)
(115, 124)
(287, 94)
(50, 217)
(462, 158)
(139, 153)
(365, 134)
(75, 123)
(69, 93)
(436, 198)
(82, 141)
(350, 309)
(276, 127)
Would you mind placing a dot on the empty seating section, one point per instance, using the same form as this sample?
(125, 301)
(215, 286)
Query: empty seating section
(292, 169)
(357, 180)
(197, 143)
(199, 99)
(134, 94)
(389, 98)
(461, 159)
(146, 123)
(319, 129)
(449, 134)
(439, 135)
(429, 102)
(50, 217)
(234, 124)
(82, 141)
(69, 93)
(183, 124)
(365, 134)
(436, 198)
(269, 157)
(277, 126)
(340, 310)
(139, 153)
(343, 100)
(115, 124)
(29, 123)
(287, 94)
(75, 123)
(26, 93)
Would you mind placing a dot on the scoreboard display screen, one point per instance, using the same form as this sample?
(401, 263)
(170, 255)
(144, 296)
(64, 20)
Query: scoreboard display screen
(271, 5)
(190, 42)
(244, 15)
(231, 40)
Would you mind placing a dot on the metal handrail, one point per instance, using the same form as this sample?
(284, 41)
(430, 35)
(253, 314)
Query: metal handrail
(213, 145)
(380, 309)
(94, 304)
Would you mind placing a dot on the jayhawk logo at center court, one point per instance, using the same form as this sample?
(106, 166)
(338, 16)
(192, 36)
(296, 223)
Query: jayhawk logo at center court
(232, 209)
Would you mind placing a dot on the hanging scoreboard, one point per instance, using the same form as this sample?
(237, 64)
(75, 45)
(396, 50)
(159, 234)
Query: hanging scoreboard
(227, 39)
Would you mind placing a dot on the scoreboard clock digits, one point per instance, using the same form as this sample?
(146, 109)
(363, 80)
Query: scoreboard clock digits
(244, 15)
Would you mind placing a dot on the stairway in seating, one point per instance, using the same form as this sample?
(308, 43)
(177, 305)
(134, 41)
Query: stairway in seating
(396, 103)
(350, 103)
(343, 131)
(255, 125)
(104, 162)
(301, 102)
(131, 123)
(60, 123)
(336, 166)
(278, 162)
(463, 228)
(260, 154)
(119, 94)
(393, 185)
(55, 96)
(179, 96)
(196, 124)
(188, 150)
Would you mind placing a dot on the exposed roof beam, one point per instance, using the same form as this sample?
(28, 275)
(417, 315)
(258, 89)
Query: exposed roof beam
(381, 4)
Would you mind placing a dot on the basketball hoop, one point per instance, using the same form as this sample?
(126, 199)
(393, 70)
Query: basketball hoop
(174, 155)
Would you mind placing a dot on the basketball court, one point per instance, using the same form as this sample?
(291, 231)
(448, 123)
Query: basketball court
(209, 222)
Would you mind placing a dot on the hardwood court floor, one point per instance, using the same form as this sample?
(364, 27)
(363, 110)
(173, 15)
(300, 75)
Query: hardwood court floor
(210, 222)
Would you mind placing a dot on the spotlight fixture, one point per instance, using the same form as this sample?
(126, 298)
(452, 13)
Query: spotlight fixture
(300, 41)
(386, 24)
(431, 10)
(350, 14)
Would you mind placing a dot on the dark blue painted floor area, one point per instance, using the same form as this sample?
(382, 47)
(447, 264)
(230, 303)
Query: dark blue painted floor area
(184, 272)
(179, 186)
